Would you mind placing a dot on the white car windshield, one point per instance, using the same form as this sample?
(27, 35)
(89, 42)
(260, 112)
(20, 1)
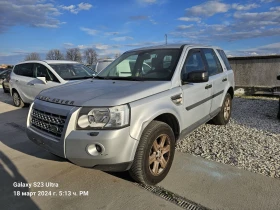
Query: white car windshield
(72, 71)
(157, 64)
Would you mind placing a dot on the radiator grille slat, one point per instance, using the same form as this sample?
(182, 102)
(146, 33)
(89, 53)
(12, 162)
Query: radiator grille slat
(48, 122)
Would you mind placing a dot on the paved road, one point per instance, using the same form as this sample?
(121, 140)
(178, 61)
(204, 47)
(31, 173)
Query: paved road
(23, 161)
(211, 184)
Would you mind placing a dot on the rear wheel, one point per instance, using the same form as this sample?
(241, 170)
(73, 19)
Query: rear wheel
(154, 155)
(17, 99)
(224, 115)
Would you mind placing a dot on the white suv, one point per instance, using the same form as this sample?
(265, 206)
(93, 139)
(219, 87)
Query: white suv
(129, 119)
(29, 78)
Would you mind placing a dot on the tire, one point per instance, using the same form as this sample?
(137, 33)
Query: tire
(4, 89)
(278, 115)
(17, 100)
(223, 117)
(156, 135)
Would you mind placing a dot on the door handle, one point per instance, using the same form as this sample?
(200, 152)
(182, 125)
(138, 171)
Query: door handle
(31, 84)
(208, 86)
(16, 80)
(225, 79)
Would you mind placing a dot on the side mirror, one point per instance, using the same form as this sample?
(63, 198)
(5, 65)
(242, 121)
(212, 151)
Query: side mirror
(43, 79)
(195, 77)
(278, 77)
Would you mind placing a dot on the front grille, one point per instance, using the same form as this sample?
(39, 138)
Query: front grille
(48, 122)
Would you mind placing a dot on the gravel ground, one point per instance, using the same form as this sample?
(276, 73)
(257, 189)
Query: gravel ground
(251, 140)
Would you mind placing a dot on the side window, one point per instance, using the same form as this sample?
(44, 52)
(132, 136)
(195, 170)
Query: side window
(26, 69)
(224, 58)
(214, 65)
(194, 62)
(42, 71)
(16, 69)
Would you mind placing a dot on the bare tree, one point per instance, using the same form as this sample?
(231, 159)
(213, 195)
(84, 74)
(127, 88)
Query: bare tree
(54, 54)
(90, 56)
(74, 54)
(32, 56)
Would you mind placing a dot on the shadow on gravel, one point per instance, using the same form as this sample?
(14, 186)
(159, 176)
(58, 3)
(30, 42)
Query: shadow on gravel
(13, 197)
(12, 134)
(257, 113)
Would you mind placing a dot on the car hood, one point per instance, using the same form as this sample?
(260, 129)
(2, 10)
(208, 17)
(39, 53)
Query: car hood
(102, 92)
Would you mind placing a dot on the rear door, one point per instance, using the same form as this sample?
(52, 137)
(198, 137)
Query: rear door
(22, 79)
(36, 85)
(217, 77)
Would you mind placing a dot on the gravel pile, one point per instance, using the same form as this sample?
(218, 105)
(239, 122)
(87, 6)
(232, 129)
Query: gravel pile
(251, 140)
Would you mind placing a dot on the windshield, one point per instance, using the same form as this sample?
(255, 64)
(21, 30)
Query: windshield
(143, 65)
(72, 71)
(102, 65)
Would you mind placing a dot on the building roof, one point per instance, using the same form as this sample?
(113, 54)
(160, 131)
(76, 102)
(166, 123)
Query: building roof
(254, 57)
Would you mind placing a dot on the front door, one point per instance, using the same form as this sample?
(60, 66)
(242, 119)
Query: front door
(36, 85)
(196, 96)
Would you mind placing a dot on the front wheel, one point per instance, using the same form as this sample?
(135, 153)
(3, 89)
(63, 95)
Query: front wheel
(154, 155)
(224, 115)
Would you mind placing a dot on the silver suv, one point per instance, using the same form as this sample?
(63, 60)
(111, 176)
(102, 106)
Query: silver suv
(29, 78)
(130, 119)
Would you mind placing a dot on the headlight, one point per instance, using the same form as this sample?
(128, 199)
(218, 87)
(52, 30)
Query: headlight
(102, 118)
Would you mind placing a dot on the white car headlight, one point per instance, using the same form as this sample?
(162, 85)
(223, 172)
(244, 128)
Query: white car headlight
(103, 118)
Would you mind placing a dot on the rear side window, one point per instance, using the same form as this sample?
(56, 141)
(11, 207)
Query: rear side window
(16, 69)
(224, 58)
(25, 69)
(214, 65)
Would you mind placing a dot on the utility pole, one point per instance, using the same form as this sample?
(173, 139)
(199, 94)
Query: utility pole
(165, 38)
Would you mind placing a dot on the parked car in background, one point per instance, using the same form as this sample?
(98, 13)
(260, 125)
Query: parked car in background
(102, 64)
(278, 115)
(4, 80)
(29, 78)
(129, 119)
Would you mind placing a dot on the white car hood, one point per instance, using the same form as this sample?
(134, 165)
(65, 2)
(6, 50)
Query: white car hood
(97, 92)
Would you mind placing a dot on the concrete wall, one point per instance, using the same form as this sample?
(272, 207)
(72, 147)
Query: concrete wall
(259, 72)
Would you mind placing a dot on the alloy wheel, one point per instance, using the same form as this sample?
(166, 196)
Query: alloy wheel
(227, 109)
(159, 154)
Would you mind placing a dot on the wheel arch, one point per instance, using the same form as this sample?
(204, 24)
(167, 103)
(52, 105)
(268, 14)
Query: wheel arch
(170, 120)
(231, 92)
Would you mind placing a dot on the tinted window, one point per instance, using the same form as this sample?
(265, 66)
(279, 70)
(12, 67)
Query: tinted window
(224, 58)
(214, 65)
(42, 71)
(194, 62)
(72, 71)
(25, 69)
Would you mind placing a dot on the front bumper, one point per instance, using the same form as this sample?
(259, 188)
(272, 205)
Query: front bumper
(118, 146)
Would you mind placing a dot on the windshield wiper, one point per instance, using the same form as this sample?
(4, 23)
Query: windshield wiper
(127, 78)
(77, 78)
(98, 77)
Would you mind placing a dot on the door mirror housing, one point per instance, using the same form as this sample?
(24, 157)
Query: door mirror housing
(43, 79)
(195, 77)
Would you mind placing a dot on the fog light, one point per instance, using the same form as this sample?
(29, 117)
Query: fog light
(98, 148)
(95, 149)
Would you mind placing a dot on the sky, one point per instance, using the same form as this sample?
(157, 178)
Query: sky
(241, 28)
